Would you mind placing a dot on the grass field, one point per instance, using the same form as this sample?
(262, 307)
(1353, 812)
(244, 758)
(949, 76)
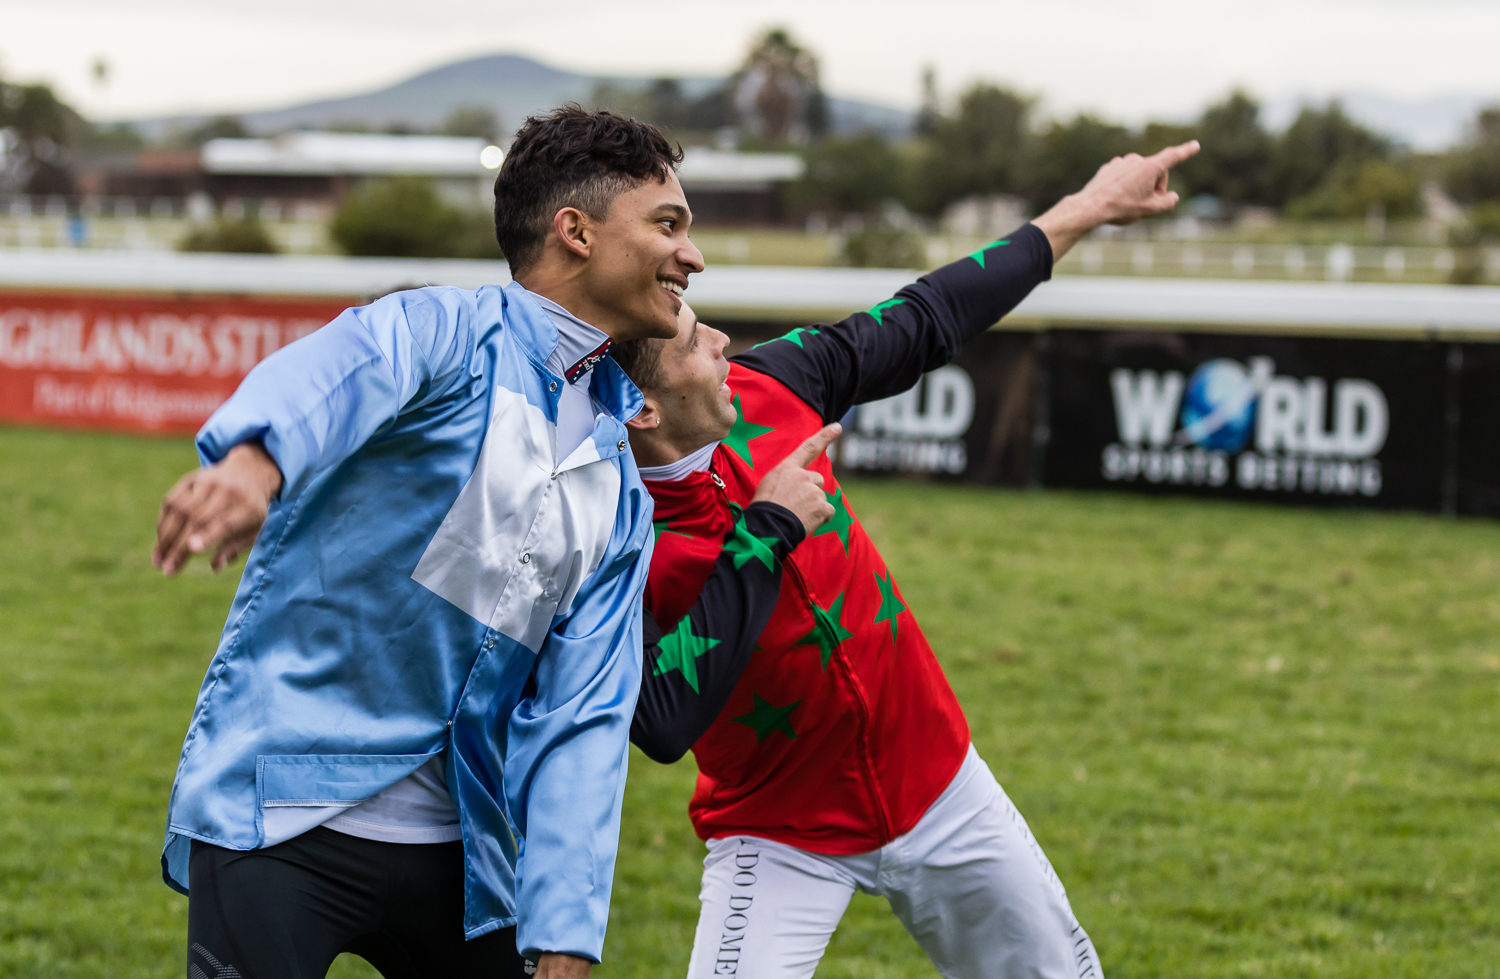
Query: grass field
(1255, 742)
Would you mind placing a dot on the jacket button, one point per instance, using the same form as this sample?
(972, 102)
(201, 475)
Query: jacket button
(552, 387)
(621, 445)
(526, 558)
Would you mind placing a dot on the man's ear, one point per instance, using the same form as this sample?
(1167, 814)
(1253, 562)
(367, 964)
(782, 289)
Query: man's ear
(647, 419)
(572, 229)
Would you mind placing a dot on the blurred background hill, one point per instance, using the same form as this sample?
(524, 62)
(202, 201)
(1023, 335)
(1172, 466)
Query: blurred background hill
(509, 87)
(512, 86)
(781, 169)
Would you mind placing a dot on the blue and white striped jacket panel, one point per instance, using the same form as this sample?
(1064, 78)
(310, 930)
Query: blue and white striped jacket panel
(432, 577)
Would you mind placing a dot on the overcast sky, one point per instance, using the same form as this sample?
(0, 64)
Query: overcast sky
(1127, 59)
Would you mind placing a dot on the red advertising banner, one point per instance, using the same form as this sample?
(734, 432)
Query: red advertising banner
(138, 363)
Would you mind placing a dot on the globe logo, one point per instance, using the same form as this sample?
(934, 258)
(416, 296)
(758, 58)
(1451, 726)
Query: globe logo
(1218, 408)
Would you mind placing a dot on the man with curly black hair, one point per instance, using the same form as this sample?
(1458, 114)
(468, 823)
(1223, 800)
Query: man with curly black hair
(411, 742)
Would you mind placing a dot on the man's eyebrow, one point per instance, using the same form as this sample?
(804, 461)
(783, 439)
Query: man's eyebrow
(676, 210)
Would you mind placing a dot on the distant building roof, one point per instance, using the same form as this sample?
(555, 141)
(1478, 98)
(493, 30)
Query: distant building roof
(730, 170)
(346, 153)
(160, 161)
(319, 153)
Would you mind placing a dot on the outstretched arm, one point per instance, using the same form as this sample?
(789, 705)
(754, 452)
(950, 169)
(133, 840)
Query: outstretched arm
(1124, 190)
(307, 407)
(885, 350)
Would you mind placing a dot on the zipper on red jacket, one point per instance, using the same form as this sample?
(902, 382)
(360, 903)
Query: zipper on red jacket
(862, 706)
(876, 792)
(877, 798)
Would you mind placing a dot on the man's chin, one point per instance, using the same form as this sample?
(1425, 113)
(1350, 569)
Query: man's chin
(665, 327)
(654, 328)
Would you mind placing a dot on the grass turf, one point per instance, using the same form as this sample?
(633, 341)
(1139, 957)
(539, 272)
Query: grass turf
(1254, 741)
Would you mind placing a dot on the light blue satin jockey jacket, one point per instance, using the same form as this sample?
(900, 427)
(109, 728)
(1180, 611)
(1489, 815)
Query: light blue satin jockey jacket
(432, 577)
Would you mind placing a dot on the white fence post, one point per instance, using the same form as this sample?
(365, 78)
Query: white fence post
(1340, 263)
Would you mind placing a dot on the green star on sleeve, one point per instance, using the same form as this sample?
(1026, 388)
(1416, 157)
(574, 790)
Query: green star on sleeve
(878, 311)
(978, 256)
(794, 336)
(680, 651)
(890, 604)
(764, 719)
(745, 547)
(743, 433)
(841, 520)
(828, 629)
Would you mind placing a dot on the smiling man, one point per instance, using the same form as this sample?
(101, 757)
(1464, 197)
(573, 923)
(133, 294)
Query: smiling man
(832, 754)
(411, 743)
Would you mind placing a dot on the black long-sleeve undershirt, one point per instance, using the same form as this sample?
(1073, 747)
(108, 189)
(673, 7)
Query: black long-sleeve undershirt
(884, 351)
(684, 685)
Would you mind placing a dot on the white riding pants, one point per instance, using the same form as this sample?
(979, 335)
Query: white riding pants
(969, 883)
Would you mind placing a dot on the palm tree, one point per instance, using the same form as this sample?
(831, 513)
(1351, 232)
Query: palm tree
(777, 87)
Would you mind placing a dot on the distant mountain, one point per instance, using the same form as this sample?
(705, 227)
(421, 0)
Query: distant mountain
(511, 86)
(1424, 125)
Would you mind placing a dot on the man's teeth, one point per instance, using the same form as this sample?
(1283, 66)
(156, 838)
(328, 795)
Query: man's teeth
(671, 287)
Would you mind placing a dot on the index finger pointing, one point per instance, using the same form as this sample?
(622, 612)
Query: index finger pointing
(1173, 155)
(804, 455)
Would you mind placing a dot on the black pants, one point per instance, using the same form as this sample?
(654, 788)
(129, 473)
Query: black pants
(287, 911)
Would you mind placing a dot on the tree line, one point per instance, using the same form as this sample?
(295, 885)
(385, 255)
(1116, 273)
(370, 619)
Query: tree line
(1325, 165)
(990, 141)
(993, 142)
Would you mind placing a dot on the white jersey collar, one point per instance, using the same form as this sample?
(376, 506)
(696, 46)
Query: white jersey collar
(695, 461)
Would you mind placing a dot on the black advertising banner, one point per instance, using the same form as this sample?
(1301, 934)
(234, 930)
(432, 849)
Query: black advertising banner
(1299, 419)
(1337, 421)
(1476, 459)
(970, 420)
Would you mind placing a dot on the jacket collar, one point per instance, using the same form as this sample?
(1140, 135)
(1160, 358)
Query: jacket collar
(539, 338)
(688, 492)
(692, 462)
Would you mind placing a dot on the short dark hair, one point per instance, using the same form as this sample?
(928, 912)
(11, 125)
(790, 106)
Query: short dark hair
(640, 359)
(571, 158)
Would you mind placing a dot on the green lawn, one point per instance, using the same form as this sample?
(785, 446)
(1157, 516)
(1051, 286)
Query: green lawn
(1254, 741)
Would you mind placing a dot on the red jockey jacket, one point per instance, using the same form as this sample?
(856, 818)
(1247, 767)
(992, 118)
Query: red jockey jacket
(839, 730)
